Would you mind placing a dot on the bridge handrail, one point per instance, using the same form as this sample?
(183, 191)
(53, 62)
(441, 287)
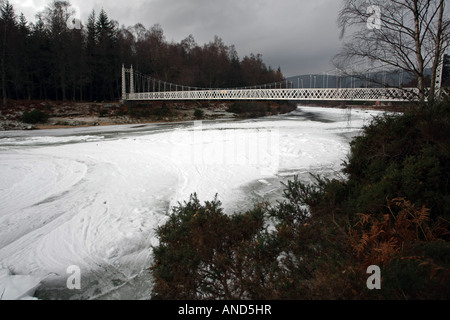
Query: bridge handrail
(318, 94)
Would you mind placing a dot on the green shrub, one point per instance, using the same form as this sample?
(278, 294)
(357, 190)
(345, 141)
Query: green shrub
(402, 156)
(164, 111)
(35, 116)
(248, 109)
(200, 250)
(237, 107)
(198, 113)
(425, 274)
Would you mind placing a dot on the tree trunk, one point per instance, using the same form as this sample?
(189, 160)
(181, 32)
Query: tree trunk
(3, 66)
(5, 99)
(63, 82)
(420, 62)
(437, 54)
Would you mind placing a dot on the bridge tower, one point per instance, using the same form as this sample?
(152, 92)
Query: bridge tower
(131, 80)
(124, 85)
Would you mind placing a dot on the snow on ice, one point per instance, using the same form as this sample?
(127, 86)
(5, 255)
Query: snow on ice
(92, 197)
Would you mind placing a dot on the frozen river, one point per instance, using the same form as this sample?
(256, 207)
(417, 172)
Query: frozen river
(92, 197)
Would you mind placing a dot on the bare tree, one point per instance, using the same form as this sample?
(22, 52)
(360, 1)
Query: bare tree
(407, 35)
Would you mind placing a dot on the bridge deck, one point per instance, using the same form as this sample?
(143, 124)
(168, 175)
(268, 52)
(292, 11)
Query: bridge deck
(344, 94)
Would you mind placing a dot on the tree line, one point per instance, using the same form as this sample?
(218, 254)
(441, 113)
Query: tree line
(58, 59)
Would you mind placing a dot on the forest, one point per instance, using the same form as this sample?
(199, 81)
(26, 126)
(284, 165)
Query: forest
(54, 59)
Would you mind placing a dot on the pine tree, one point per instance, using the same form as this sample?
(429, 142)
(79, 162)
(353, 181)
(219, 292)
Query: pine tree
(77, 62)
(90, 53)
(8, 29)
(107, 63)
(39, 49)
(56, 17)
(20, 60)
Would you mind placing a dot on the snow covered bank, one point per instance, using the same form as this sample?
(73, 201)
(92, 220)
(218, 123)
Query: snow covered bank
(92, 197)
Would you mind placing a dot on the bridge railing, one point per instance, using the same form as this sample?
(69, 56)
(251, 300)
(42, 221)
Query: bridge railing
(342, 94)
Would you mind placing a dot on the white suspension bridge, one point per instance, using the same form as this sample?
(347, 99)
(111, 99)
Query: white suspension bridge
(139, 87)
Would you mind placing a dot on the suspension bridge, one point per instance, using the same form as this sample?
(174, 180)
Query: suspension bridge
(139, 87)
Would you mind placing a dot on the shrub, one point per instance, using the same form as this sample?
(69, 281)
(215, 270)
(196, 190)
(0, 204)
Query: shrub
(200, 251)
(248, 109)
(409, 248)
(198, 114)
(402, 156)
(35, 116)
(164, 111)
(237, 107)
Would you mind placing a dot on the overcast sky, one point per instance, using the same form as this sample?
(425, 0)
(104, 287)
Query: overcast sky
(300, 36)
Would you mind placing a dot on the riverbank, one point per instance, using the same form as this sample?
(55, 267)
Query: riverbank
(59, 114)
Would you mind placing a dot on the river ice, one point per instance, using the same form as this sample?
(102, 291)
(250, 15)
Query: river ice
(92, 197)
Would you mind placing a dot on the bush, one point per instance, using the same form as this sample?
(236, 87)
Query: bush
(200, 252)
(198, 114)
(253, 109)
(164, 111)
(248, 109)
(402, 156)
(35, 116)
(237, 107)
(409, 248)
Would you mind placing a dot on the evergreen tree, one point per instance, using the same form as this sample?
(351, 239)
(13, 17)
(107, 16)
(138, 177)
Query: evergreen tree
(77, 63)
(39, 59)
(56, 17)
(8, 32)
(90, 54)
(107, 63)
(22, 66)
